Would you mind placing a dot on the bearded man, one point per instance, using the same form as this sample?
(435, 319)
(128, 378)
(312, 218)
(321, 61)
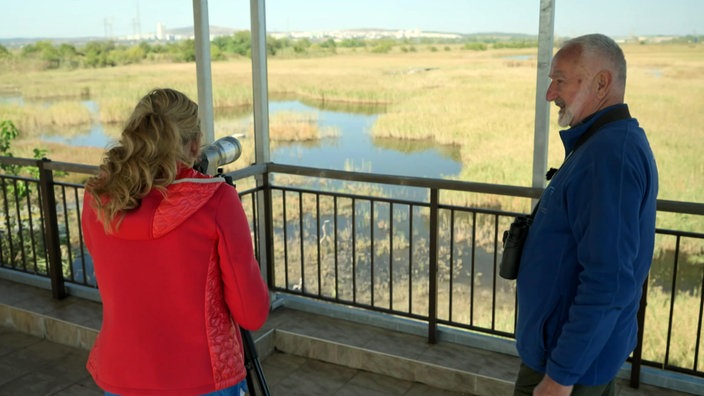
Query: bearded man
(590, 245)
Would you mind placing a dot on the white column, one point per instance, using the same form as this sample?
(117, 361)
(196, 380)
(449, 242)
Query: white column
(260, 108)
(201, 25)
(542, 107)
(260, 81)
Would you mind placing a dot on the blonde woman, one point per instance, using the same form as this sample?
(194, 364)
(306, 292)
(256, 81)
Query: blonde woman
(173, 260)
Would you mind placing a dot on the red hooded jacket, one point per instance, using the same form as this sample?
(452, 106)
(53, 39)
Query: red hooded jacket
(176, 280)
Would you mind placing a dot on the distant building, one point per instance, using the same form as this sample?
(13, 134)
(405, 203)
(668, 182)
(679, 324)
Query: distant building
(160, 31)
(339, 35)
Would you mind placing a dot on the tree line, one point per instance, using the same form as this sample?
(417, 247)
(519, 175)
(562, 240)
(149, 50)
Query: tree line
(47, 55)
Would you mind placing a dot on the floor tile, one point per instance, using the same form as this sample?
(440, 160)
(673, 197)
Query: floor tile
(379, 383)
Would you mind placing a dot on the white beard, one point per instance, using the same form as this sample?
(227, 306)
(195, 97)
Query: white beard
(567, 113)
(565, 117)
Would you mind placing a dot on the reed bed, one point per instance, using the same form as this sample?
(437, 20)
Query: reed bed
(35, 118)
(288, 126)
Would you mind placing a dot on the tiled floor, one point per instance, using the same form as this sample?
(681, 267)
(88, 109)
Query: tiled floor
(304, 354)
(294, 375)
(30, 365)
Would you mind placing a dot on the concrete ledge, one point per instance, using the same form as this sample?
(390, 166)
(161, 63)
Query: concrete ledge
(44, 326)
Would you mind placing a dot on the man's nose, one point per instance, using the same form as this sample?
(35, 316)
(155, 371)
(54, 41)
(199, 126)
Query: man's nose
(551, 94)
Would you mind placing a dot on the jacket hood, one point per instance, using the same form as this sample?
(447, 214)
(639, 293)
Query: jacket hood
(159, 213)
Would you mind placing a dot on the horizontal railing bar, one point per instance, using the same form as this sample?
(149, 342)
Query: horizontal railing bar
(422, 182)
(663, 205)
(20, 178)
(370, 307)
(476, 187)
(252, 170)
(470, 209)
(482, 329)
(687, 234)
(71, 167)
(18, 161)
(694, 208)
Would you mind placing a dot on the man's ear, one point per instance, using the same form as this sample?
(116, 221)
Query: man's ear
(602, 83)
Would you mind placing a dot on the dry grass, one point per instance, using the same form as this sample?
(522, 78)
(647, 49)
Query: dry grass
(482, 102)
(289, 126)
(682, 331)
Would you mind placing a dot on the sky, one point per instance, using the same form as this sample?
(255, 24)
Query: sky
(101, 18)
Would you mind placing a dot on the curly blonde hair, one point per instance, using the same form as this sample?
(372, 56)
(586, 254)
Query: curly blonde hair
(153, 144)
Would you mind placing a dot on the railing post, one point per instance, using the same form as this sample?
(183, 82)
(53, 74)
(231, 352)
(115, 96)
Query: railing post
(433, 270)
(51, 230)
(265, 223)
(637, 358)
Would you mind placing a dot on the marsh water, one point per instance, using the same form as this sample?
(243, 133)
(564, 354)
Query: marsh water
(352, 147)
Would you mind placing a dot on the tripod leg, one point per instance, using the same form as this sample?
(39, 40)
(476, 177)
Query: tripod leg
(251, 361)
(250, 381)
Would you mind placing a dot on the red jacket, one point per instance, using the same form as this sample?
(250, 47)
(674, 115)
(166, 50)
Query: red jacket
(172, 279)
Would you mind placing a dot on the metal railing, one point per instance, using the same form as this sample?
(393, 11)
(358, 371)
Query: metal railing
(423, 249)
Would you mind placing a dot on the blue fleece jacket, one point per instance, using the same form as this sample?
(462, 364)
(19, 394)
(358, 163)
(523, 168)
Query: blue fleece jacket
(587, 255)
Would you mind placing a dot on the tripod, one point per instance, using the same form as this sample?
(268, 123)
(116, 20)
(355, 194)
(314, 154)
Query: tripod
(251, 362)
(251, 358)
